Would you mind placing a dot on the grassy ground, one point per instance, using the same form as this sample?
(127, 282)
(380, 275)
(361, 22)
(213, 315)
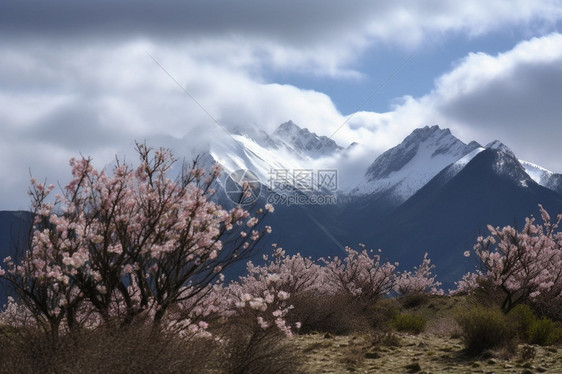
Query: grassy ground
(424, 353)
(439, 349)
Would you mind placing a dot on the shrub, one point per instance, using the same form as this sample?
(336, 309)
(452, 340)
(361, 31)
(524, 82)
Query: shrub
(485, 329)
(385, 339)
(412, 323)
(525, 265)
(337, 314)
(544, 332)
(239, 346)
(137, 349)
(381, 313)
(249, 349)
(522, 317)
(549, 306)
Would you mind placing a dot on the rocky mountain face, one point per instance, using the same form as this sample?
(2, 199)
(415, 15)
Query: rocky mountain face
(404, 169)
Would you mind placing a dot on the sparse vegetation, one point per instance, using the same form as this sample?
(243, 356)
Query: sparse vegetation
(485, 328)
(544, 332)
(411, 323)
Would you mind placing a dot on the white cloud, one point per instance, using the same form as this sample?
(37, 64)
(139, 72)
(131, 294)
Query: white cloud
(78, 79)
(513, 96)
(316, 36)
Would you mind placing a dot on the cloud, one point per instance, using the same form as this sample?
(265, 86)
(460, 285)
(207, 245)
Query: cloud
(63, 101)
(313, 37)
(76, 76)
(513, 96)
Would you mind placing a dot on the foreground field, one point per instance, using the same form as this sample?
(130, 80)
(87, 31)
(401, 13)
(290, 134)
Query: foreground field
(439, 349)
(424, 353)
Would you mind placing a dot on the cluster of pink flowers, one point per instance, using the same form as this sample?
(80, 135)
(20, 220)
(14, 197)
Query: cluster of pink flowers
(361, 275)
(267, 292)
(420, 281)
(128, 245)
(524, 265)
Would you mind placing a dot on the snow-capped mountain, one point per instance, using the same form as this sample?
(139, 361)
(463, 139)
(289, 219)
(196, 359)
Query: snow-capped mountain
(288, 148)
(488, 186)
(304, 142)
(406, 168)
(538, 174)
(542, 176)
(432, 192)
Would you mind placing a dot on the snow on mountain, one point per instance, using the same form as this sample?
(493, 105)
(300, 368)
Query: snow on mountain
(304, 142)
(542, 176)
(289, 148)
(243, 152)
(508, 164)
(536, 172)
(406, 168)
(497, 145)
(399, 172)
(452, 170)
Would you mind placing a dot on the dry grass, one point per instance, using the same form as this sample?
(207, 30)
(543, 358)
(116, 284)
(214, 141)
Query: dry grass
(105, 351)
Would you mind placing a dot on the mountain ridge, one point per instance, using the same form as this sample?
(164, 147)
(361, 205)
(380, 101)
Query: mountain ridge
(438, 210)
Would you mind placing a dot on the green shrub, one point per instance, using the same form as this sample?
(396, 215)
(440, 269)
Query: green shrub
(412, 323)
(522, 317)
(381, 313)
(544, 332)
(485, 329)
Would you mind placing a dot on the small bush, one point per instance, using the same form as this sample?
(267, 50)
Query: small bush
(548, 306)
(249, 349)
(412, 323)
(485, 329)
(522, 317)
(544, 332)
(487, 294)
(381, 313)
(335, 314)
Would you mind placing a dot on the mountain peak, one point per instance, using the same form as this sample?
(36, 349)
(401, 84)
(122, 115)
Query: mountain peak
(404, 169)
(427, 131)
(305, 142)
(441, 141)
(497, 145)
(289, 126)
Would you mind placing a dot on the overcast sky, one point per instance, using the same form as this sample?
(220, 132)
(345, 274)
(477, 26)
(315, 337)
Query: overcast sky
(77, 77)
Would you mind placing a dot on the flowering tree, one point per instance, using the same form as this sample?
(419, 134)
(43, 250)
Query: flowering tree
(419, 282)
(128, 245)
(290, 274)
(360, 275)
(267, 291)
(525, 264)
